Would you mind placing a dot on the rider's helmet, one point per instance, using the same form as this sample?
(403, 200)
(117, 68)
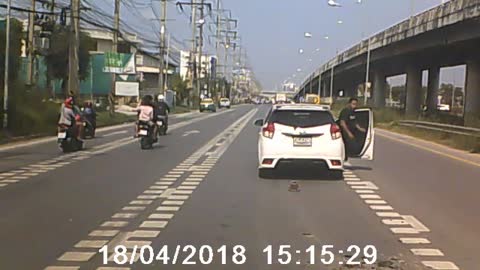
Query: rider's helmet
(69, 101)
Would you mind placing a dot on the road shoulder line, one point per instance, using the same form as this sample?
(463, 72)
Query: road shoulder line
(442, 150)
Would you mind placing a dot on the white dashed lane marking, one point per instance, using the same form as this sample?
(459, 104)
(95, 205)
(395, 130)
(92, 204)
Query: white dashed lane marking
(104, 233)
(76, 256)
(426, 252)
(91, 244)
(168, 208)
(154, 224)
(440, 265)
(160, 216)
(417, 240)
(398, 224)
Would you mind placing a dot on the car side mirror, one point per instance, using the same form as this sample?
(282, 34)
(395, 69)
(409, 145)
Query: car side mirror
(259, 123)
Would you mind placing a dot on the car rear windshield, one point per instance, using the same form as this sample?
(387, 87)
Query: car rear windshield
(301, 118)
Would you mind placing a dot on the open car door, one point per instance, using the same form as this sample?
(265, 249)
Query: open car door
(364, 150)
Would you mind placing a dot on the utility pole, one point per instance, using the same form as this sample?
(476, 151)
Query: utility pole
(116, 29)
(31, 44)
(7, 66)
(225, 64)
(163, 26)
(168, 62)
(217, 47)
(73, 66)
(193, 53)
(200, 48)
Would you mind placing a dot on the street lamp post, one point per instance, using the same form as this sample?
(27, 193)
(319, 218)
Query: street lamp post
(331, 83)
(367, 75)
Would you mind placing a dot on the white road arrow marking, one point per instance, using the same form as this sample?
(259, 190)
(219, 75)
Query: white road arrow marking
(190, 132)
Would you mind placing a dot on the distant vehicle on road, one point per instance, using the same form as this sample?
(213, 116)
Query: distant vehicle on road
(280, 98)
(307, 136)
(207, 104)
(224, 103)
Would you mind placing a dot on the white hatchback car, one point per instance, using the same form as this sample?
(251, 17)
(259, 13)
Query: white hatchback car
(224, 103)
(307, 135)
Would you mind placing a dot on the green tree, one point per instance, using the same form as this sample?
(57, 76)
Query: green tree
(180, 87)
(57, 56)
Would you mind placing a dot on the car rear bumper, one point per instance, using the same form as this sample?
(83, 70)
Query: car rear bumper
(327, 163)
(207, 107)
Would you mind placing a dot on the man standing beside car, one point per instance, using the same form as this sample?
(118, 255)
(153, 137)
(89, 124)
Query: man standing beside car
(348, 124)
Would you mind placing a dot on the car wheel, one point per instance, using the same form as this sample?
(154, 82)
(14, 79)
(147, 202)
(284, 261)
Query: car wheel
(336, 174)
(266, 173)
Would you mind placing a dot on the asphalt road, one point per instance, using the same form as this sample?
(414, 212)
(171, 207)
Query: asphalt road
(199, 187)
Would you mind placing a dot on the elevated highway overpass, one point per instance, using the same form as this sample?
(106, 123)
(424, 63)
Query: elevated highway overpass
(446, 35)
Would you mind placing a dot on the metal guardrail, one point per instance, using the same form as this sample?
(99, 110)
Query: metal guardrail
(452, 129)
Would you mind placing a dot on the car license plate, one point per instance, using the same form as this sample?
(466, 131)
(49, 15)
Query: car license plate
(62, 135)
(143, 132)
(302, 141)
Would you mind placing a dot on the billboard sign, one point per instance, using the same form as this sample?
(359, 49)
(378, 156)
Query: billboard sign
(120, 63)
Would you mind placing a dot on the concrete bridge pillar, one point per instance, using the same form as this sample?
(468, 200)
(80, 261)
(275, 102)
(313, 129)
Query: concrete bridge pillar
(379, 89)
(325, 88)
(414, 90)
(318, 90)
(433, 87)
(472, 94)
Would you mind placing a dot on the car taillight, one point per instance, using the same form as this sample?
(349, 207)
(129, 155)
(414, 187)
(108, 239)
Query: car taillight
(335, 131)
(269, 130)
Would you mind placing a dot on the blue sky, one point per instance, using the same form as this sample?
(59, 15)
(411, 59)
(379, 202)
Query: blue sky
(272, 30)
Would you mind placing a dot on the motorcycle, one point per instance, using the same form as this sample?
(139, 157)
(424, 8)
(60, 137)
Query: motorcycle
(88, 129)
(146, 135)
(162, 126)
(89, 126)
(67, 141)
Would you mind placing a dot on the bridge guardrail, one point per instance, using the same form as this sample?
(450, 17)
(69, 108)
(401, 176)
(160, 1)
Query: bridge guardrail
(452, 129)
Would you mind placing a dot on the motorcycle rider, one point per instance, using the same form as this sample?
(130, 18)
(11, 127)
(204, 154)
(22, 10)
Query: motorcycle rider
(145, 112)
(69, 118)
(90, 114)
(162, 109)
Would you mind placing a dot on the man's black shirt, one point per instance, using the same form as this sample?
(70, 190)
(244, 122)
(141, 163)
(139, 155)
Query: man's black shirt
(348, 115)
(161, 108)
